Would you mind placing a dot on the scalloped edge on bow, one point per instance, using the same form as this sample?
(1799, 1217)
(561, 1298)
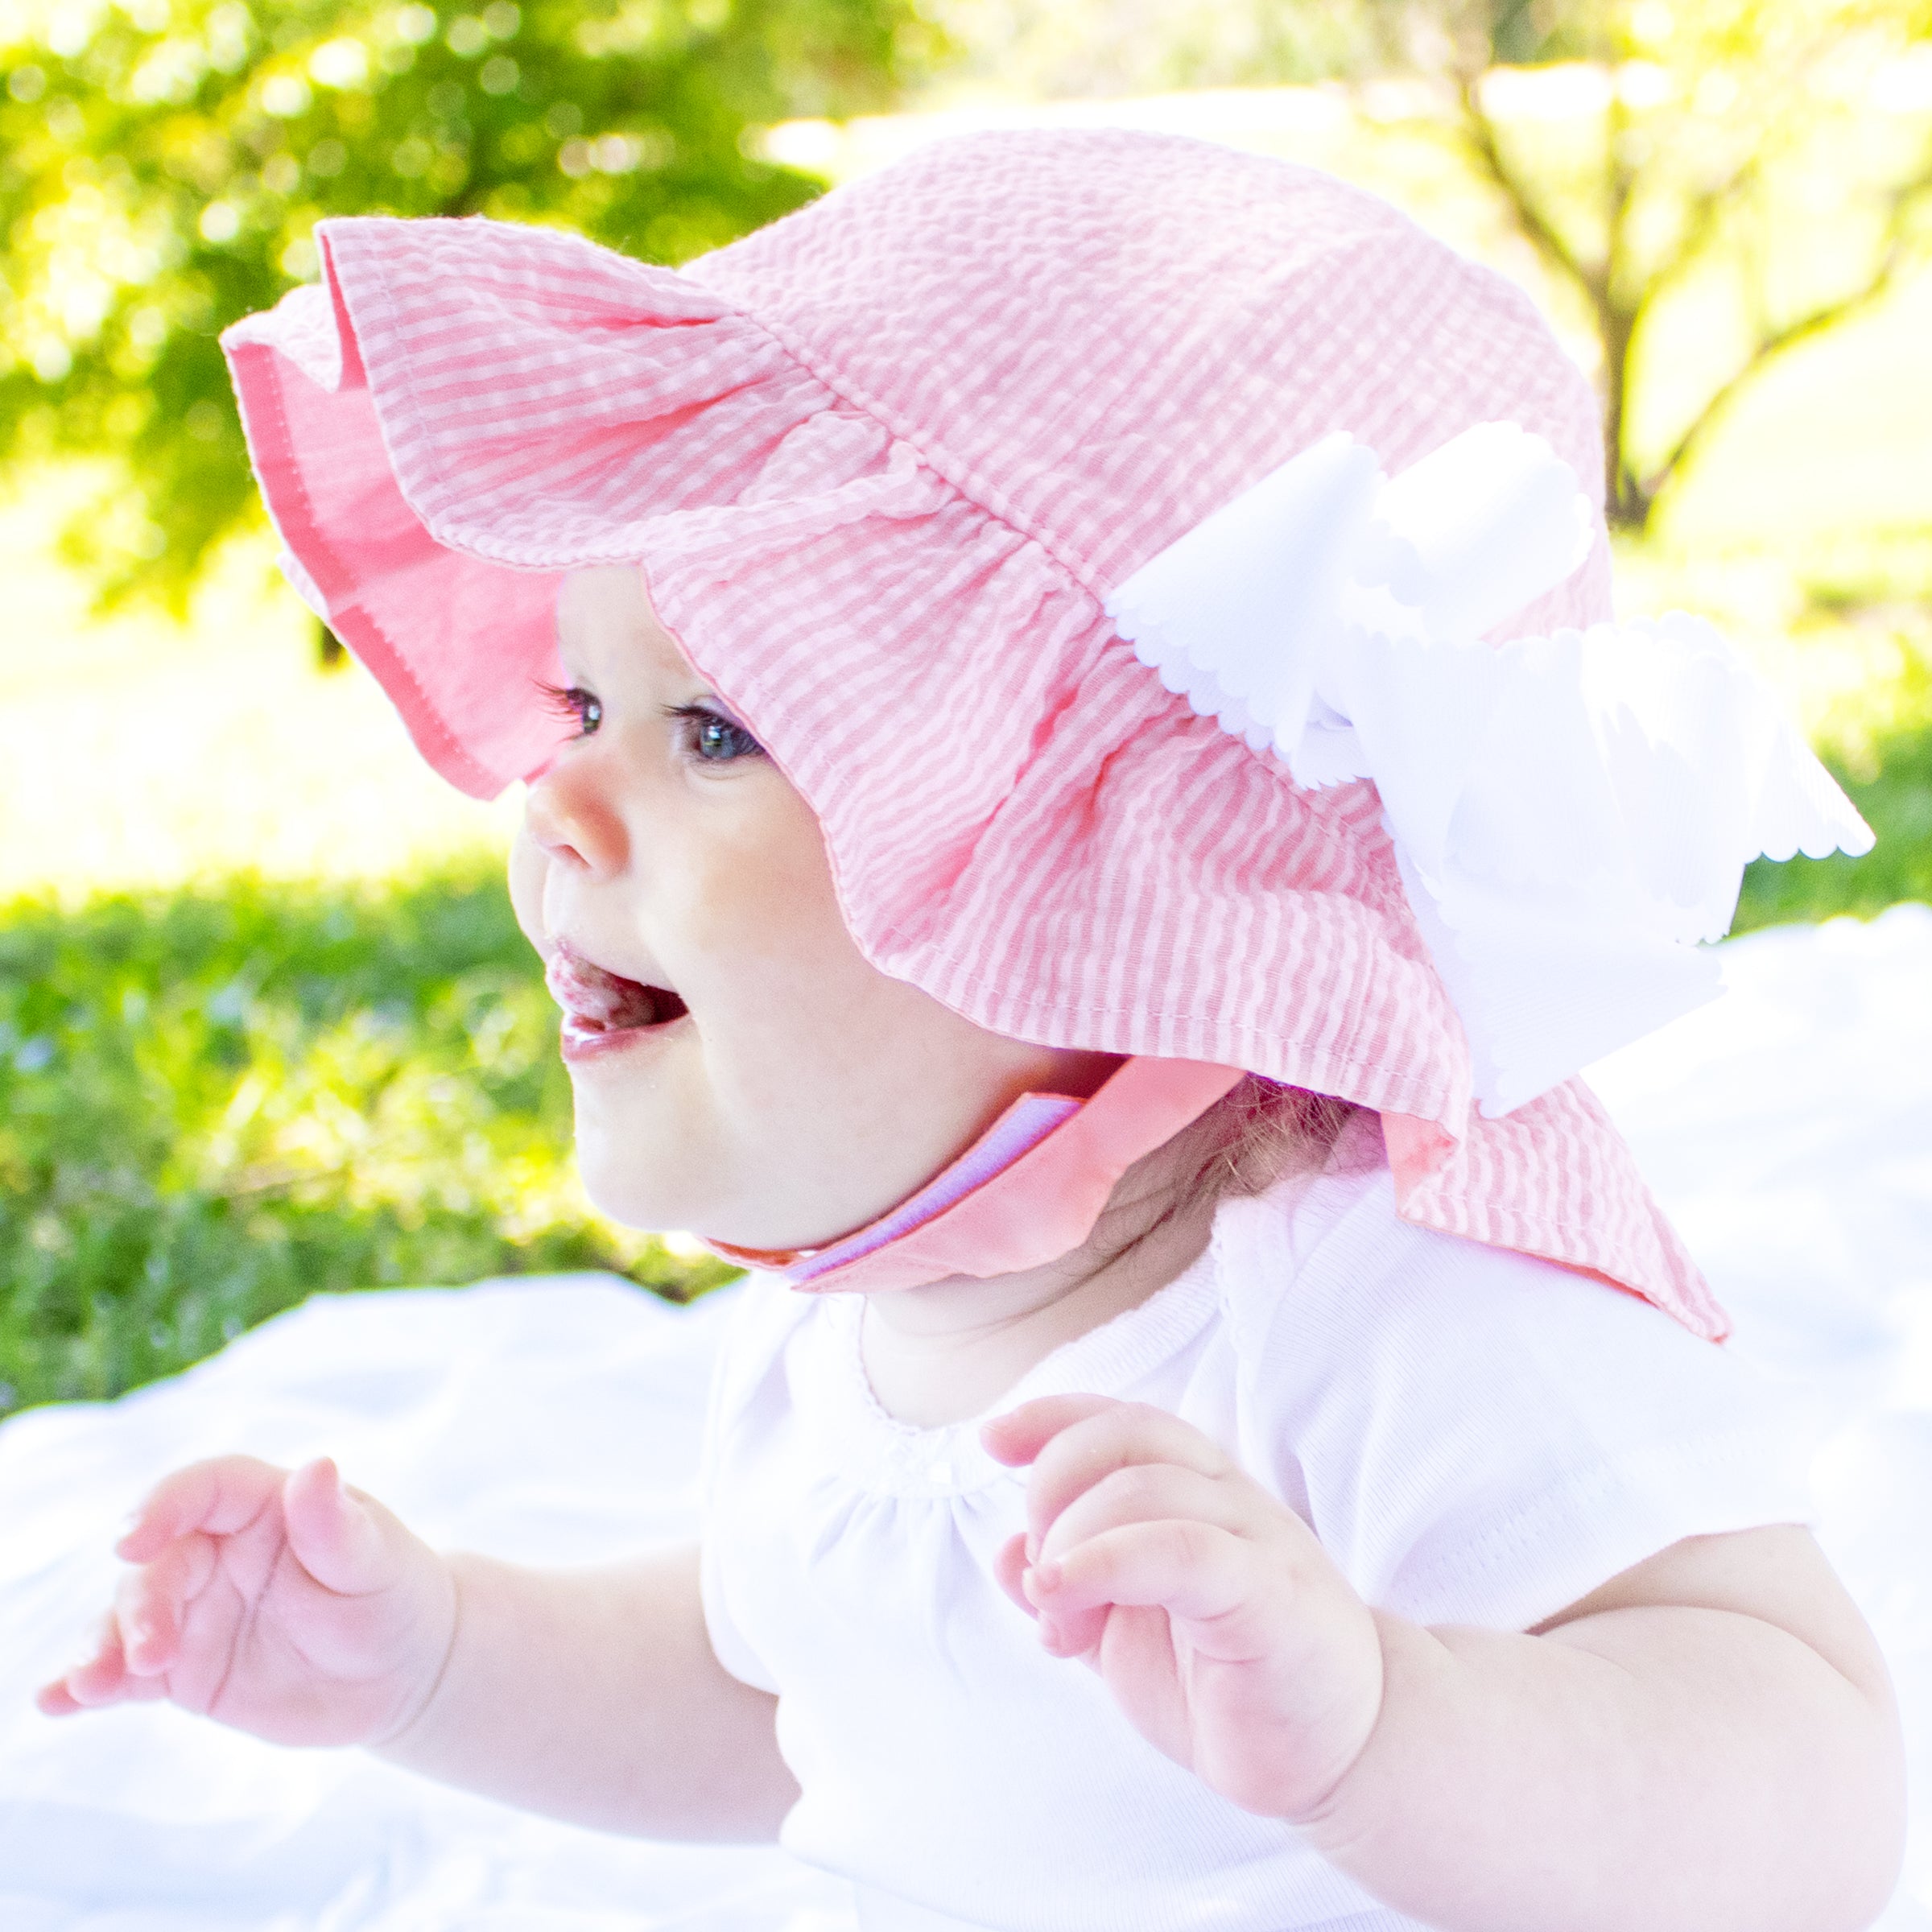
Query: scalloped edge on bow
(1570, 814)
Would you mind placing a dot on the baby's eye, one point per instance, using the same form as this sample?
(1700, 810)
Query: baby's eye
(585, 709)
(714, 739)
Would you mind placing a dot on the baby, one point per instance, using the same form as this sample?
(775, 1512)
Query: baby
(1091, 836)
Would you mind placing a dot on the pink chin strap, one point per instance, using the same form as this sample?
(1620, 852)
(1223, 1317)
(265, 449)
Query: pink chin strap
(1028, 1191)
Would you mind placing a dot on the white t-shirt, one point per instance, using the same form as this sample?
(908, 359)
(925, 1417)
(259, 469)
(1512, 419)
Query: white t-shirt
(1476, 1437)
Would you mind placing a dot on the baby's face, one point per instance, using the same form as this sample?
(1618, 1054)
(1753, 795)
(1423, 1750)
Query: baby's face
(776, 1090)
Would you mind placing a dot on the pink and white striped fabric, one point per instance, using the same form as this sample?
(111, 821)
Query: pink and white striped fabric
(880, 464)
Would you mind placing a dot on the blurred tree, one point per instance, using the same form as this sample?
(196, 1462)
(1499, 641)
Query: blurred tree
(1073, 48)
(162, 162)
(1769, 159)
(1781, 150)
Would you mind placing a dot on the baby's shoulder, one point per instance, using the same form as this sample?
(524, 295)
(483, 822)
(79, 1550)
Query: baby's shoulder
(767, 1315)
(1318, 1253)
(1324, 1288)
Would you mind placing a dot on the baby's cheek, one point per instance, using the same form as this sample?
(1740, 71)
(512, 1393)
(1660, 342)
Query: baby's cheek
(763, 884)
(526, 868)
(783, 990)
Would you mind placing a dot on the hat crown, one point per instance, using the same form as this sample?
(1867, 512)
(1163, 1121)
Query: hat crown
(1103, 335)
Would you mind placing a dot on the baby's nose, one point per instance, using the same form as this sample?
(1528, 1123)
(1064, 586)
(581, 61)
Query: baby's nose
(565, 817)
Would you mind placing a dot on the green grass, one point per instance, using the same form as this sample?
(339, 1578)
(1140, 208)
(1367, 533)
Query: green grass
(215, 1101)
(1892, 787)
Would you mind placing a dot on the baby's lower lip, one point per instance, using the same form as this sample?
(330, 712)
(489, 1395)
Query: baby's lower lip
(581, 1043)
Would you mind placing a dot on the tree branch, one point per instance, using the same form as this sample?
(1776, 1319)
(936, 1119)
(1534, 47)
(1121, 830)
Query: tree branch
(1897, 254)
(1480, 132)
(1707, 209)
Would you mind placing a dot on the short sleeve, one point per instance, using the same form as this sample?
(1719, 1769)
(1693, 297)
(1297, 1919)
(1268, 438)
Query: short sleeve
(744, 1344)
(1482, 1438)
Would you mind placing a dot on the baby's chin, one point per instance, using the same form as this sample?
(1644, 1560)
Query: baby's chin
(771, 1173)
(672, 1186)
(627, 1184)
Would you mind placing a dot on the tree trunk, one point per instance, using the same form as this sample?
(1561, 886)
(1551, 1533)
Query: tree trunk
(1626, 503)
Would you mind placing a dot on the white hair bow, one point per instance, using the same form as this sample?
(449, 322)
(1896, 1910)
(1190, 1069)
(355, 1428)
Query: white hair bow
(1570, 814)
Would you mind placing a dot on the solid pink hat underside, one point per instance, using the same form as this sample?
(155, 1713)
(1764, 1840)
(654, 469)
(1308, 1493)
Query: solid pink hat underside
(880, 465)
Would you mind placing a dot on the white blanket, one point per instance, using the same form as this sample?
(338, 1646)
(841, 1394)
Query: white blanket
(1788, 1128)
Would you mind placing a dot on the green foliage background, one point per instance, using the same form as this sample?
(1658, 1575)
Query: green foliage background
(215, 1102)
(162, 163)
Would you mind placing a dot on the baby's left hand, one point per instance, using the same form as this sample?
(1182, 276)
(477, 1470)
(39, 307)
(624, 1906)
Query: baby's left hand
(1224, 1631)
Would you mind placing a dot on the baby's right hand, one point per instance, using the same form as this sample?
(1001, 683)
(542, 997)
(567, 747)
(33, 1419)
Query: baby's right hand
(282, 1604)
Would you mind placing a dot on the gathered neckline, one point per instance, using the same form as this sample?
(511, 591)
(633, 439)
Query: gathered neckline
(879, 1451)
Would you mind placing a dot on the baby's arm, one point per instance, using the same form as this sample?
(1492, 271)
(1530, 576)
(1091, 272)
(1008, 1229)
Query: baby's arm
(1710, 1741)
(1707, 1743)
(302, 1611)
(595, 1696)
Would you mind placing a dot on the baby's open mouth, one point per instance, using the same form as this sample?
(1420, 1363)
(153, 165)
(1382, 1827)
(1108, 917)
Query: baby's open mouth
(599, 1005)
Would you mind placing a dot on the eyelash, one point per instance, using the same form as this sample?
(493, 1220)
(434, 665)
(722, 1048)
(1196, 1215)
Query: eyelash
(697, 718)
(573, 702)
(586, 710)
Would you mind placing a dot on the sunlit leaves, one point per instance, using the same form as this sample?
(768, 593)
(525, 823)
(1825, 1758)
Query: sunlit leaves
(163, 162)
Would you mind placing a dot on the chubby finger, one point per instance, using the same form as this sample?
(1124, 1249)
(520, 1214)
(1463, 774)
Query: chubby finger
(219, 1496)
(1194, 1571)
(54, 1699)
(341, 1538)
(1064, 1630)
(95, 1681)
(1017, 1436)
(1143, 1492)
(57, 1699)
(1009, 1571)
(152, 1602)
(1087, 1448)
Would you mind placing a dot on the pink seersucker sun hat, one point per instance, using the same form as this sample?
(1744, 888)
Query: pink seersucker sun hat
(883, 465)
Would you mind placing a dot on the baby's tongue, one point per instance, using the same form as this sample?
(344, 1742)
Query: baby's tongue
(607, 1000)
